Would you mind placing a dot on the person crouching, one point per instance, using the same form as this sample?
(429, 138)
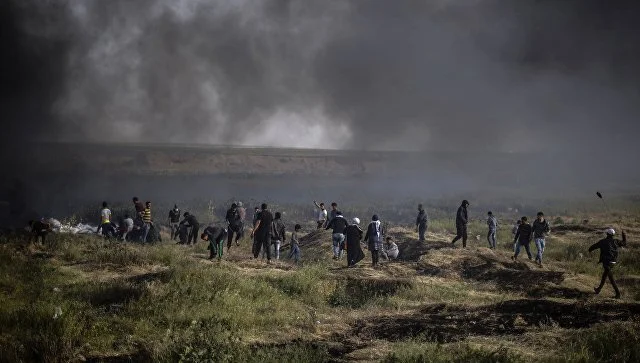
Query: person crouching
(216, 236)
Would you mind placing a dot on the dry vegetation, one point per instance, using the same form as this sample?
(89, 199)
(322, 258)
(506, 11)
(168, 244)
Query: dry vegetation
(80, 298)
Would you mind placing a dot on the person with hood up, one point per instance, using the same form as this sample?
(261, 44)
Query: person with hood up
(608, 257)
(338, 225)
(174, 221)
(421, 222)
(523, 238)
(462, 219)
(216, 236)
(353, 235)
(233, 225)
(278, 234)
(492, 223)
(374, 239)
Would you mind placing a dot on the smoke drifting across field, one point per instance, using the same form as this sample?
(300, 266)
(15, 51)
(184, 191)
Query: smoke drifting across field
(469, 75)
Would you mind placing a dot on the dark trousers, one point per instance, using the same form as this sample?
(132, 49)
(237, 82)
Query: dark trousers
(230, 231)
(193, 234)
(461, 233)
(42, 235)
(526, 248)
(320, 224)
(261, 242)
(375, 257)
(422, 230)
(607, 273)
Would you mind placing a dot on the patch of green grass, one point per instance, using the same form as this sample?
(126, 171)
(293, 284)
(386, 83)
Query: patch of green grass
(612, 342)
(413, 352)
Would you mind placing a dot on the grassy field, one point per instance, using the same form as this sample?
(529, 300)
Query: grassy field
(80, 298)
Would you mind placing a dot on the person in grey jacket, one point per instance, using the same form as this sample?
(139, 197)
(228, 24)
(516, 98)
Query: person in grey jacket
(492, 223)
(421, 223)
(462, 219)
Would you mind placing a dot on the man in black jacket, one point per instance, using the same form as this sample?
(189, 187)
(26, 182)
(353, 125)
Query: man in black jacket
(262, 232)
(278, 234)
(462, 219)
(338, 225)
(523, 238)
(234, 225)
(608, 257)
(421, 223)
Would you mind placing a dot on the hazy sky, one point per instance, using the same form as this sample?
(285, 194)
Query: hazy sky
(372, 74)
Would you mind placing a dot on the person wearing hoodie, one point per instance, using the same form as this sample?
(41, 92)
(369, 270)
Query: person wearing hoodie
(174, 221)
(338, 225)
(421, 222)
(608, 257)
(374, 239)
(540, 229)
(492, 223)
(353, 235)
(523, 238)
(215, 236)
(462, 219)
(278, 234)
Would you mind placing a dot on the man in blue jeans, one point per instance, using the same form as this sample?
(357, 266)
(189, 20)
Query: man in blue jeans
(338, 224)
(540, 229)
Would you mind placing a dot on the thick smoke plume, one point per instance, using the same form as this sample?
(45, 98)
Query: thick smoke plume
(408, 75)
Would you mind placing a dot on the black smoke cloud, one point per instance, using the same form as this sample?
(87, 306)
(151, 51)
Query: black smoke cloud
(461, 75)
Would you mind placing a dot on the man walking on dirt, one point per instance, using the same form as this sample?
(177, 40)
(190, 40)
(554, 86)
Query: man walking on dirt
(540, 229)
(262, 233)
(322, 214)
(338, 225)
(523, 238)
(608, 257)
(421, 223)
(462, 219)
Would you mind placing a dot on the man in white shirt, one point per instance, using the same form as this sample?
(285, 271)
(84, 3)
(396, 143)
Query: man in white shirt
(322, 214)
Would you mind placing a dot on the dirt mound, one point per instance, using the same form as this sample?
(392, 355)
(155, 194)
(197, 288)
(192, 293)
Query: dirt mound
(442, 323)
(315, 238)
(513, 276)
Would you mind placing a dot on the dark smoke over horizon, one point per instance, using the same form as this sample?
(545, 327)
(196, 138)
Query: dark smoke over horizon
(401, 75)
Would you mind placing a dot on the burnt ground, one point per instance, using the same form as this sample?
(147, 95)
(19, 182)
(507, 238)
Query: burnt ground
(445, 323)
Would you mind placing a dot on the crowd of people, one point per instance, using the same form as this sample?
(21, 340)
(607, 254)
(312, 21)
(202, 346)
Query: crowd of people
(268, 233)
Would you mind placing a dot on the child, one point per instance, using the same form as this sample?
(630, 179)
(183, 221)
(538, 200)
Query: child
(391, 250)
(295, 246)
